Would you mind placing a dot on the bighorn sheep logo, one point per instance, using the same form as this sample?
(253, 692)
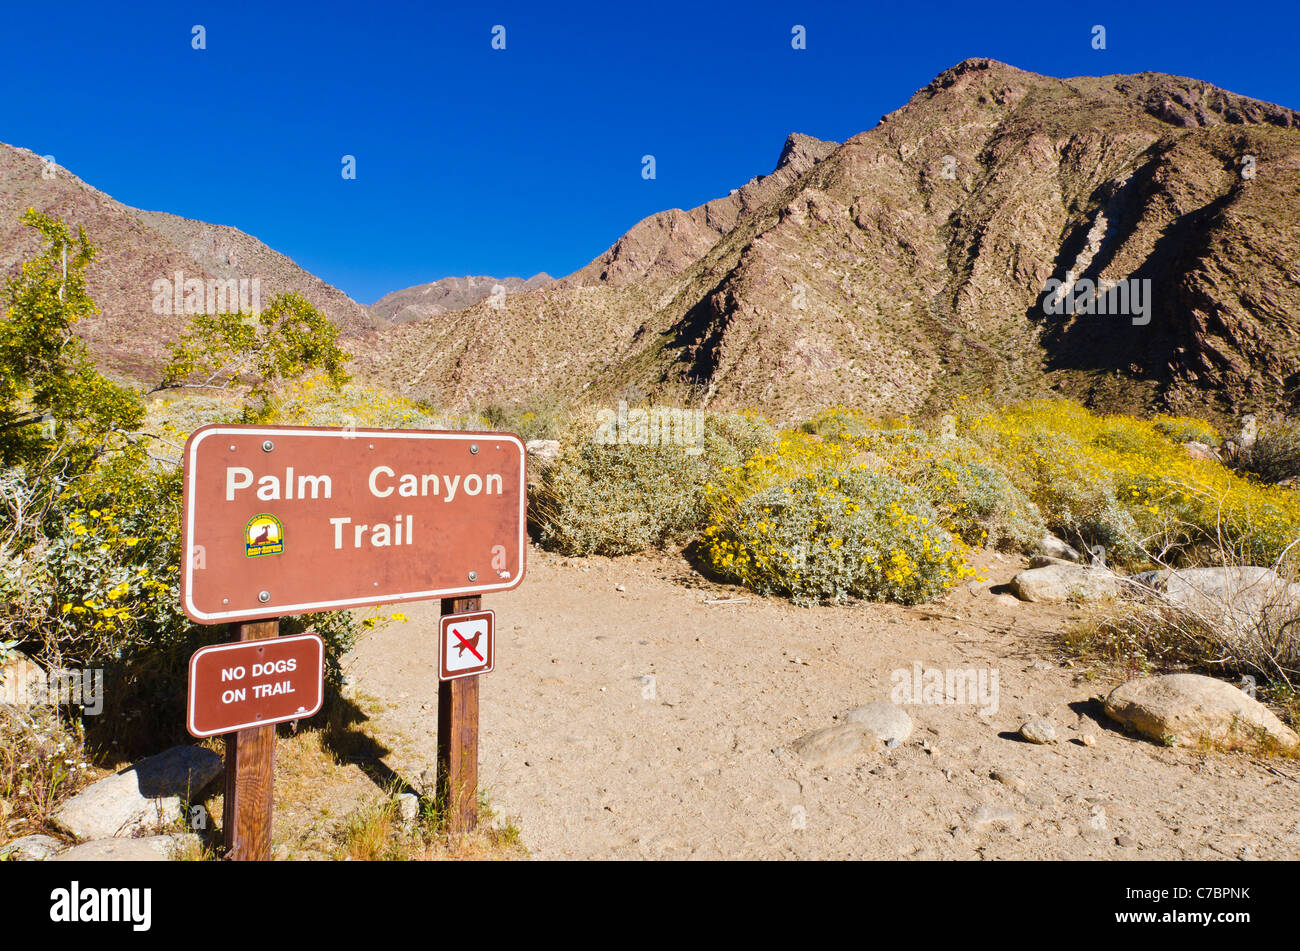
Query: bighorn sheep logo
(263, 535)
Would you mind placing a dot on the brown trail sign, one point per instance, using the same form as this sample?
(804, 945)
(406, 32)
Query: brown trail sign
(283, 520)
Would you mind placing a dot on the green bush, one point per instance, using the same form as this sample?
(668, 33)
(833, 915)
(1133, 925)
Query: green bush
(834, 535)
(615, 499)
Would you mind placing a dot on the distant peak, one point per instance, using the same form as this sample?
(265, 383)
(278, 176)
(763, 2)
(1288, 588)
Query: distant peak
(803, 151)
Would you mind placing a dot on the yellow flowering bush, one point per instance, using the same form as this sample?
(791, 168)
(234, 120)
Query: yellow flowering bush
(834, 534)
(962, 480)
(1124, 483)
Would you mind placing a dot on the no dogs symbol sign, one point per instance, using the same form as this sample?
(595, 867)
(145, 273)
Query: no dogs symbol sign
(465, 645)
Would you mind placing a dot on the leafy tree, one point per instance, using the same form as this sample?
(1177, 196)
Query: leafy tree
(53, 400)
(286, 340)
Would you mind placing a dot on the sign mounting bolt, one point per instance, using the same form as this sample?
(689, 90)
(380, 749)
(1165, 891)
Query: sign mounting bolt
(473, 449)
(264, 596)
(268, 446)
(473, 576)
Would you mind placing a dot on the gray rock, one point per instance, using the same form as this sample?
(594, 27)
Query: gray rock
(141, 797)
(833, 744)
(1045, 561)
(1008, 779)
(887, 721)
(542, 451)
(1185, 708)
(408, 808)
(1056, 583)
(1200, 450)
(1038, 730)
(154, 848)
(31, 848)
(1054, 547)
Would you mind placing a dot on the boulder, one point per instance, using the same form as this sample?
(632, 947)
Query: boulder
(153, 848)
(30, 848)
(1185, 708)
(140, 797)
(1044, 561)
(887, 721)
(1235, 600)
(1064, 583)
(1054, 547)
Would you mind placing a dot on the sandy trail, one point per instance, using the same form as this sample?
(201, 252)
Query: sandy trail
(594, 760)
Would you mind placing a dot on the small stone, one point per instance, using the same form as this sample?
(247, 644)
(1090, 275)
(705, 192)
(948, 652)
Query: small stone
(619, 587)
(1008, 779)
(408, 808)
(1089, 740)
(1038, 730)
(823, 747)
(1126, 842)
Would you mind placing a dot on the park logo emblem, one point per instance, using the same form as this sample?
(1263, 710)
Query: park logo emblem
(263, 535)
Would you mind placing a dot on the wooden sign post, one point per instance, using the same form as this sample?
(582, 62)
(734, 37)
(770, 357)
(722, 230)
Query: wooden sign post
(250, 764)
(288, 520)
(458, 741)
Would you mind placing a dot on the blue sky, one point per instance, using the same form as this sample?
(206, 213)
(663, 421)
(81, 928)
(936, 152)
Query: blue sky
(479, 161)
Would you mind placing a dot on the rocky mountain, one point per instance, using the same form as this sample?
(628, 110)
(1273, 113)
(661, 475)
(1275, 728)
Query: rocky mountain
(449, 294)
(138, 249)
(951, 248)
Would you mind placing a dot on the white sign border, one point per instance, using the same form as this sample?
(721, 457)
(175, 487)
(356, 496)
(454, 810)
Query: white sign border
(281, 610)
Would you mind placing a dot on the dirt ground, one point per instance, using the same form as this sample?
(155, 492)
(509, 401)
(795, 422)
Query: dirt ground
(648, 723)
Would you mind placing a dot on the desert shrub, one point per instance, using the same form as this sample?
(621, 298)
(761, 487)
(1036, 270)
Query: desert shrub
(732, 438)
(1183, 429)
(535, 419)
(615, 499)
(839, 422)
(1276, 454)
(41, 763)
(833, 535)
(980, 504)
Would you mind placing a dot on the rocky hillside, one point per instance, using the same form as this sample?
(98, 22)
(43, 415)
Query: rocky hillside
(911, 263)
(448, 294)
(138, 248)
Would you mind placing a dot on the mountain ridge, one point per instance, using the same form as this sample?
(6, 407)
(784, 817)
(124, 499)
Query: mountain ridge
(909, 263)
